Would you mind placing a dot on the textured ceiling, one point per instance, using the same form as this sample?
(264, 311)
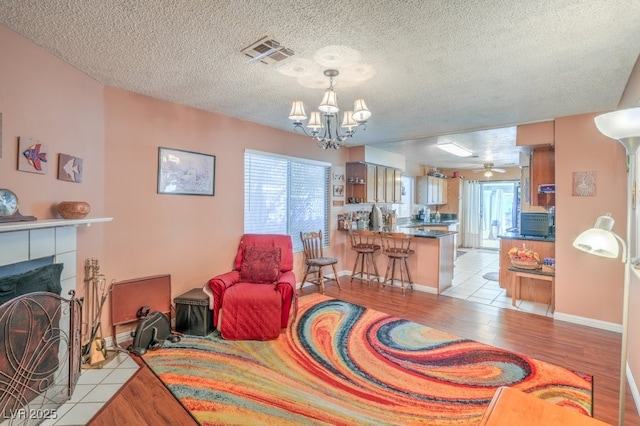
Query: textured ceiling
(425, 68)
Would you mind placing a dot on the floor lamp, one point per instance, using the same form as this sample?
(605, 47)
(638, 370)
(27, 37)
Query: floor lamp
(623, 125)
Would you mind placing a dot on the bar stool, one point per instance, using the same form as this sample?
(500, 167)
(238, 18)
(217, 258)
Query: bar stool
(364, 244)
(397, 247)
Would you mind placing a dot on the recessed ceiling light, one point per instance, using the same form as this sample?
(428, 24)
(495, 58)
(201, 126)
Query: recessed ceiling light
(454, 149)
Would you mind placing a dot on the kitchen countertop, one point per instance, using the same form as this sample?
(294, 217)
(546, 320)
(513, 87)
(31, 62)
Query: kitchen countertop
(413, 231)
(518, 236)
(416, 223)
(425, 233)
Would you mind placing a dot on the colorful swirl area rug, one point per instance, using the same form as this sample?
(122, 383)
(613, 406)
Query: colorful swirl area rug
(342, 364)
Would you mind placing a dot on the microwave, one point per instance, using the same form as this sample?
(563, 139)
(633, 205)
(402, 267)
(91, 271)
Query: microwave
(535, 224)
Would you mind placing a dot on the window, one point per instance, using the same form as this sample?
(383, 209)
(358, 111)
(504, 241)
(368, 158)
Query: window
(285, 195)
(405, 208)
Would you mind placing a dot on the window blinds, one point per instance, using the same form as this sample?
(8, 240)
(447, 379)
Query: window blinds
(284, 195)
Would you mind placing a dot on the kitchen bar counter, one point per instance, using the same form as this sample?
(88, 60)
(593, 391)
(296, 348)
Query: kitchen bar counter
(413, 231)
(431, 266)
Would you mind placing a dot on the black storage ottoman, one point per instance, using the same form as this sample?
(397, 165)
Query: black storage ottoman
(192, 313)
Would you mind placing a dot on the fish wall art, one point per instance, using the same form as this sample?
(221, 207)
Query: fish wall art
(69, 168)
(32, 156)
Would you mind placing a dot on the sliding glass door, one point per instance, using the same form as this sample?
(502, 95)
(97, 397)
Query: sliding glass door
(499, 210)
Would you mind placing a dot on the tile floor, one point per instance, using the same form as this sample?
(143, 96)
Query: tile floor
(95, 387)
(468, 283)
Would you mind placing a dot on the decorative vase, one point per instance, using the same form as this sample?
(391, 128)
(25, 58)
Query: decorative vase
(73, 209)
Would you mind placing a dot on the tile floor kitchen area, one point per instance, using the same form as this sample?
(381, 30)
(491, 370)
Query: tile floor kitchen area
(469, 284)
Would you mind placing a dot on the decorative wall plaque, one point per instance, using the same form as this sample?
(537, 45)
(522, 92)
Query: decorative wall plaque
(69, 168)
(32, 156)
(583, 184)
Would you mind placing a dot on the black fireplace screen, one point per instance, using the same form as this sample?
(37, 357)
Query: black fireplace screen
(39, 356)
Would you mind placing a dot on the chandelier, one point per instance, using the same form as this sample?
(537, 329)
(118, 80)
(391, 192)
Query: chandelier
(324, 124)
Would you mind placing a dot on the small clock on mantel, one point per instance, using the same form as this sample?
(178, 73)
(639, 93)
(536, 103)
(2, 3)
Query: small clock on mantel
(9, 208)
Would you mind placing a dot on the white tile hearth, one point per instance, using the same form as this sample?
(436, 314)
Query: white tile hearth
(95, 387)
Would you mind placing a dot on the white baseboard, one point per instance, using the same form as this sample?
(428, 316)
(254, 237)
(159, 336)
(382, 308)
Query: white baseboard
(603, 325)
(417, 287)
(634, 388)
(609, 326)
(121, 337)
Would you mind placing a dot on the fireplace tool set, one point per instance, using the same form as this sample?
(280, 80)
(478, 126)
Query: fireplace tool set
(94, 348)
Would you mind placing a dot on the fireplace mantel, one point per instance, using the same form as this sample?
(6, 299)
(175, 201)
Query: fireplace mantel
(21, 241)
(50, 223)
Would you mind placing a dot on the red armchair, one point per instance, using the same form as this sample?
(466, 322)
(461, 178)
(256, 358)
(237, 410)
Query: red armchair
(253, 302)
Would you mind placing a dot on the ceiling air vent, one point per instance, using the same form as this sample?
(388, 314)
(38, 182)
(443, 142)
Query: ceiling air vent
(268, 51)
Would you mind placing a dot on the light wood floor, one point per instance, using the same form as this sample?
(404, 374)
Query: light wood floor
(144, 400)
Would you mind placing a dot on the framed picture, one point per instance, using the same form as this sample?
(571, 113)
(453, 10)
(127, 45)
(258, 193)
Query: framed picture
(338, 190)
(33, 156)
(185, 172)
(69, 168)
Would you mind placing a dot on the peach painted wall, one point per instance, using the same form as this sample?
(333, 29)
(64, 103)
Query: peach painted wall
(190, 237)
(44, 98)
(588, 286)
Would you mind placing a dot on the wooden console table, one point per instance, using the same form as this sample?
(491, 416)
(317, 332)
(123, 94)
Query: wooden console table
(512, 407)
(535, 274)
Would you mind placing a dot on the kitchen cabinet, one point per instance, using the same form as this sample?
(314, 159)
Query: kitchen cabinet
(454, 192)
(380, 184)
(372, 183)
(393, 185)
(431, 190)
(542, 172)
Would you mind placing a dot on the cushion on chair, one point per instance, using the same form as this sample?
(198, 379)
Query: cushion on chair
(268, 240)
(322, 261)
(251, 312)
(260, 264)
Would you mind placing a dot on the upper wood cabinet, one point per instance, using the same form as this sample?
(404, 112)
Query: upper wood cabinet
(431, 190)
(371, 183)
(542, 172)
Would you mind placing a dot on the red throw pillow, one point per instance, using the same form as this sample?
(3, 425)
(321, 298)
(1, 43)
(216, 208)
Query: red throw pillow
(260, 264)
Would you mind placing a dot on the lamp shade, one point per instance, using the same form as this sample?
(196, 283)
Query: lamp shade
(599, 240)
(348, 121)
(621, 124)
(329, 102)
(360, 110)
(488, 173)
(315, 122)
(297, 111)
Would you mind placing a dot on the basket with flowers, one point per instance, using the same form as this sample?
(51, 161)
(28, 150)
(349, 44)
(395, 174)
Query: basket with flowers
(524, 258)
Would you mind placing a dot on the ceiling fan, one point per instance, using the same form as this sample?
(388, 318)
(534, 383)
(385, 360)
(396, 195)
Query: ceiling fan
(488, 170)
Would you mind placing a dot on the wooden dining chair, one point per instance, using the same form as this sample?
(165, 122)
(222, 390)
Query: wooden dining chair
(315, 260)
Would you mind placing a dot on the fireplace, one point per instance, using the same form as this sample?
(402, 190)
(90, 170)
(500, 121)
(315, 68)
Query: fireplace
(40, 331)
(39, 356)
